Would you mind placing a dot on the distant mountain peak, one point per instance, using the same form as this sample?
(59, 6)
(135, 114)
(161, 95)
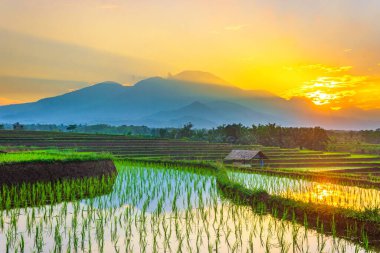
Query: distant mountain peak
(107, 83)
(195, 106)
(102, 87)
(199, 77)
(197, 103)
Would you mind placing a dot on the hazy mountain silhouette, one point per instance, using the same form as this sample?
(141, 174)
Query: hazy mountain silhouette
(199, 77)
(207, 115)
(173, 101)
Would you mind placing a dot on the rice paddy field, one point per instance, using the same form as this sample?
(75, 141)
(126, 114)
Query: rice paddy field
(357, 147)
(176, 196)
(154, 208)
(125, 147)
(335, 195)
(50, 156)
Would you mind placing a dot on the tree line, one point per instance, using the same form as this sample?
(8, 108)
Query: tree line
(315, 138)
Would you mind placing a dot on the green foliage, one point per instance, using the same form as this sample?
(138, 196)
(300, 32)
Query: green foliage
(268, 135)
(51, 156)
(95, 129)
(17, 126)
(364, 142)
(186, 131)
(42, 193)
(271, 135)
(71, 127)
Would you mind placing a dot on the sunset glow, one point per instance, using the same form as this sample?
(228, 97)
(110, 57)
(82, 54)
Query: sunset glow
(329, 56)
(337, 92)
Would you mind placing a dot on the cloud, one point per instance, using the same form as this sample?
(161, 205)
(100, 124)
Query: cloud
(336, 87)
(338, 82)
(23, 55)
(234, 27)
(319, 67)
(335, 91)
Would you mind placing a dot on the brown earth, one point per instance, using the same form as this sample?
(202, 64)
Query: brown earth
(31, 172)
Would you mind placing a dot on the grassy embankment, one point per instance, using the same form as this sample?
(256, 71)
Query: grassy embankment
(51, 156)
(26, 194)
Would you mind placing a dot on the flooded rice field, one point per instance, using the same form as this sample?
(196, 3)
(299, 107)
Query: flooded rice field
(164, 209)
(336, 195)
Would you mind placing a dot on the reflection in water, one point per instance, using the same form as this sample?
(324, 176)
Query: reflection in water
(157, 210)
(323, 193)
(167, 190)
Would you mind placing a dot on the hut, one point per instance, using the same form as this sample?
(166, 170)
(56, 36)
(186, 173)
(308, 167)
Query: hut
(246, 158)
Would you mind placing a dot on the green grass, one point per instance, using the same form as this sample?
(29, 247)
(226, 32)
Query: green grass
(51, 156)
(316, 169)
(364, 156)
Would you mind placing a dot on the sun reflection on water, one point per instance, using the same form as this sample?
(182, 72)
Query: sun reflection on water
(341, 196)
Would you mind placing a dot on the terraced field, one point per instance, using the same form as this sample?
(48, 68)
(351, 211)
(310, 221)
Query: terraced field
(165, 149)
(164, 188)
(156, 208)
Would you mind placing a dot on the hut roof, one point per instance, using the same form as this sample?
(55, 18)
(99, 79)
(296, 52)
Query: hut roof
(245, 155)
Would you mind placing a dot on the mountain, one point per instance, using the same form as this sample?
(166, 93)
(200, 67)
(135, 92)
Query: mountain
(70, 107)
(199, 77)
(172, 102)
(207, 115)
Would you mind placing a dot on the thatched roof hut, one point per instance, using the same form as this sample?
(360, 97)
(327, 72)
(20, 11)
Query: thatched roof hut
(245, 156)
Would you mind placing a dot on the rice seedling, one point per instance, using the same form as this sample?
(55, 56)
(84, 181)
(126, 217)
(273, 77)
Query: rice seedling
(340, 196)
(148, 208)
(51, 155)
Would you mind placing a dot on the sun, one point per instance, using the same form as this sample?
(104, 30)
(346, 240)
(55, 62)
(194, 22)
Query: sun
(328, 91)
(321, 97)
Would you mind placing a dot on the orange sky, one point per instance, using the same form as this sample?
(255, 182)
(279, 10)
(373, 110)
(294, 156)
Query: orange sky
(327, 51)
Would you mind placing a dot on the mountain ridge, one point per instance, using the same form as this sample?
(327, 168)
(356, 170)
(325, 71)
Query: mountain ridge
(199, 77)
(168, 102)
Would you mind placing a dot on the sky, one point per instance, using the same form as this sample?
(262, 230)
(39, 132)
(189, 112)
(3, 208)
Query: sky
(327, 51)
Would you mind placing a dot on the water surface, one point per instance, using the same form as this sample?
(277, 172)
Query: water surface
(155, 209)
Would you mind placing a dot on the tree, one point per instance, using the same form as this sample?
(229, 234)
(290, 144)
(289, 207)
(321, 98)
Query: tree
(71, 127)
(2, 127)
(232, 133)
(320, 140)
(17, 126)
(162, 132)
(186, 131)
